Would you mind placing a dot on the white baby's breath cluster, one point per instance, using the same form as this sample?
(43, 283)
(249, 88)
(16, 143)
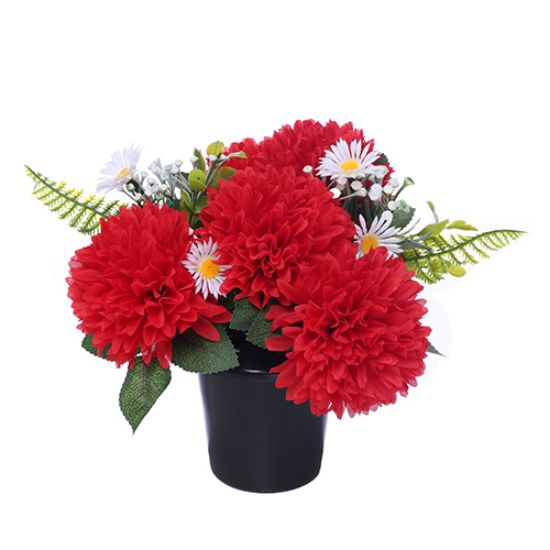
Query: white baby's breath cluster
(162, 183)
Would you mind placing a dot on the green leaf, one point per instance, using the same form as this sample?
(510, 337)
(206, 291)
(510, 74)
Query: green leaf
(89, 347)
(382, 159)
(200, 163)
(432, 208)
(431, 349)
(461, 224)
(185, 203)
(224, 173)
(197, 179)
(456, 270)
(142, 386)
(243, 315)
(193, 353)
(250, 319)
(202, 201)
(216, 148)
(447, 253)
(260, 330)
(402, 217)
(432, 229)
(82, 212)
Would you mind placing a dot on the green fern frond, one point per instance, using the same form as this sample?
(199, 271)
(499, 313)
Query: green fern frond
(82, 212)
(448, 255)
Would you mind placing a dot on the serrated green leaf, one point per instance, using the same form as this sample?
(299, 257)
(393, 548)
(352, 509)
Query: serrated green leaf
(402, 217)
(193, 353)
(250, 319)
(142, 387)
(87, 344)
(461, 224)
(244, 314)
(260, 330)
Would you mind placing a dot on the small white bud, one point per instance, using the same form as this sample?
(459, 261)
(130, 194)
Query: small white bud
(394, 182)
(378, 171)
(336, 193)
(193, 159)
(392, 205)
(361, 192)
(341, 181)
(212, 158)
(388, 189)
(307, 169)
(356, 185)
(375, 192)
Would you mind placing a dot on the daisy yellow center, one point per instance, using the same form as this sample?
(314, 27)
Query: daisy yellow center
(369, 242)
(123, 173)
(349, 165)
(208, 269)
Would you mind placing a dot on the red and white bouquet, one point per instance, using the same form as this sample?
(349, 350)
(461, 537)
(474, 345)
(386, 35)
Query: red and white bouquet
(303, 242)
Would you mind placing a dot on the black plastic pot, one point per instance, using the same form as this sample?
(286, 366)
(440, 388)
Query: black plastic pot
(257, 440)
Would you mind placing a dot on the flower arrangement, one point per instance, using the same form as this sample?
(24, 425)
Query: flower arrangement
(302, 242)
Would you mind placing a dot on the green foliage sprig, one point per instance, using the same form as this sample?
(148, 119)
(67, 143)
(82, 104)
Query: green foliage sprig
(82, 212)
(448, 255)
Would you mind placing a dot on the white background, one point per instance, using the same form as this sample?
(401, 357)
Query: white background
(456, 93)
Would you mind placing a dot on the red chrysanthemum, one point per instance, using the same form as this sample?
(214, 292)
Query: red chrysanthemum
(354, 333)
(268, 223)
(302, 144)
(130, 289)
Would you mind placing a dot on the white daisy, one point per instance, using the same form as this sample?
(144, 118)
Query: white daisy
(380, 233)
(201, 263)
(119, 170)
(348, 161)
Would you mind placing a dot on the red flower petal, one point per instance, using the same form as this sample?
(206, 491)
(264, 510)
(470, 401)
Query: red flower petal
(130, 289)
(355, 335)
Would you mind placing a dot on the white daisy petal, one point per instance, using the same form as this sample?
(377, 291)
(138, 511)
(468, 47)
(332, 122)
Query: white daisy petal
(201, 262)
(349, 160)
(380, 233)
(119, 170)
